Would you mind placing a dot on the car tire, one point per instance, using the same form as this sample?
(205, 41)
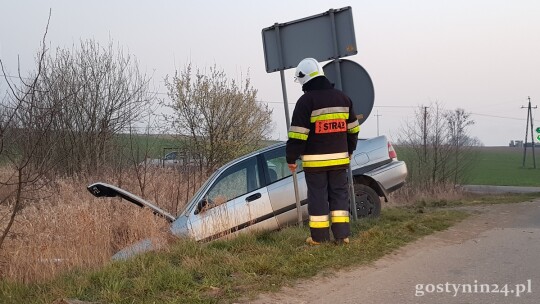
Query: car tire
(368, 202)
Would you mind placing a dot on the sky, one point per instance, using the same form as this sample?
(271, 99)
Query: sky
(479, 55)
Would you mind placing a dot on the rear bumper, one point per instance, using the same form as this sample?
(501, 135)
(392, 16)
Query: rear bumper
(391, 176)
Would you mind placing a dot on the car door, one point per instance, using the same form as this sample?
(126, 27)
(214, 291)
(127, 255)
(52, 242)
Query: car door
(236, 201)
(281, 187)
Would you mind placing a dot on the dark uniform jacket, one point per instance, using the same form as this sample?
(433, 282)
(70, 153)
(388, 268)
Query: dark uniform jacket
(324, 129)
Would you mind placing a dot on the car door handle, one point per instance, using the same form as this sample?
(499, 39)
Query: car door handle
(253, 197)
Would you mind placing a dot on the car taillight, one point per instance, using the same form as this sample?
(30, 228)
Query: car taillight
(391, 152)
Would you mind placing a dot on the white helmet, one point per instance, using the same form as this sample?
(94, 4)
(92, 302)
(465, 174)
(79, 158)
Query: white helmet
(306, 70)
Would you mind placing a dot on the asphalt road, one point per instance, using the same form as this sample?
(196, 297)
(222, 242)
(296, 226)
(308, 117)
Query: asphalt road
(498, 245)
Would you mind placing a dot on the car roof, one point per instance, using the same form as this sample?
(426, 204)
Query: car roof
(257, 152)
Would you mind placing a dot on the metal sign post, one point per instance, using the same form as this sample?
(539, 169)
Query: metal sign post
(288, 122)
(352, 199)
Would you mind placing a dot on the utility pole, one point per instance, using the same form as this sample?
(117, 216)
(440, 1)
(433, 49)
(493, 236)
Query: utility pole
(425, 133)
(529, 114)
(378, 122)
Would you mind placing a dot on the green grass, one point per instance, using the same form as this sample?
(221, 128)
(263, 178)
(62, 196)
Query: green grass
(498, 166)
(502, 166)
(155, 146)
(224, 271)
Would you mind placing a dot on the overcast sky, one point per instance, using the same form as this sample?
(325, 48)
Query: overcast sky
(480, 55)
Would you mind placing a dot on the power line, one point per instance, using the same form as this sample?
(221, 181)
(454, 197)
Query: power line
(395, 106)
(280, 102)
(495, 116)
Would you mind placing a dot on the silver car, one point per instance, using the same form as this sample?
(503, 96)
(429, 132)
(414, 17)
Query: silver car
(255, 192)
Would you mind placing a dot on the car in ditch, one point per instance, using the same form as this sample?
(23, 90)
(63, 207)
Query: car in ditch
(170, 159)
(173, 159)
(256, 192)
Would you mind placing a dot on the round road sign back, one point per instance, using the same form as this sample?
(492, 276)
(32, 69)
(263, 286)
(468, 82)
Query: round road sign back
(356, 83)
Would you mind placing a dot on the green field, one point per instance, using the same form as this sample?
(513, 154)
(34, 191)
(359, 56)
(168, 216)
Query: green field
(503, 166)
(156, 146)
(499, 166)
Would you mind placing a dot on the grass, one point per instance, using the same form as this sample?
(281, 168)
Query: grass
(69, 228)
(153, 146)
(502, 166)
(224, 271)
(241, 268)
(498, 166)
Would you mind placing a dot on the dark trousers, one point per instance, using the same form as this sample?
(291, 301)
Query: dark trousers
(328, 196)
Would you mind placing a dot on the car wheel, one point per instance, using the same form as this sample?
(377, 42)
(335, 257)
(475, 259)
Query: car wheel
(368, 202)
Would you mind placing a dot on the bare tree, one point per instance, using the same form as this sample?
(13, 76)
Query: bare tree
(219, 118)
(99, 92)
(137, 152)
(458, 121)
(439, 160)
(423, 136)
(25, 148)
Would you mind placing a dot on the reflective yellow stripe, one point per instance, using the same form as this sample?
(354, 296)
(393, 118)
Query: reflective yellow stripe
(352, 124)
(354, 130)
(353, 127)
(319, 218)
(298, 135)
(340, 219)
(325, 163)
(324, 224)
(313, 73)
(339, 213)
(299, 130)
(313, 157)
(329, 110)
(329, 116)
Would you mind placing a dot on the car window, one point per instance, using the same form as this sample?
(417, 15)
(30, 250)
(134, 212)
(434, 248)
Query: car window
(170, 156)
(277, 165)
(236, 181)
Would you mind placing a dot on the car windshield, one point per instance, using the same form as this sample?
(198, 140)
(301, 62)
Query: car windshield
(189, 206)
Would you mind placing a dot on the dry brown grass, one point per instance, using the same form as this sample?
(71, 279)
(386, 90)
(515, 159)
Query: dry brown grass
(408, 195)
(68, 228)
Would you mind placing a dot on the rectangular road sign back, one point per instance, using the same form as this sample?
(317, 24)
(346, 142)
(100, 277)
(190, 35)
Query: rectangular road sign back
(309, 37)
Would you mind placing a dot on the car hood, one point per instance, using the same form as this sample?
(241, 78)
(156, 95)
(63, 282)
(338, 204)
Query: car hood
(106, 190)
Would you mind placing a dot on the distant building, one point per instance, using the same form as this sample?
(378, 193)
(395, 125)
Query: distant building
(516, 143)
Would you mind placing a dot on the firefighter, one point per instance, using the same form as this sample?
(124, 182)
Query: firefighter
(323, 133)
